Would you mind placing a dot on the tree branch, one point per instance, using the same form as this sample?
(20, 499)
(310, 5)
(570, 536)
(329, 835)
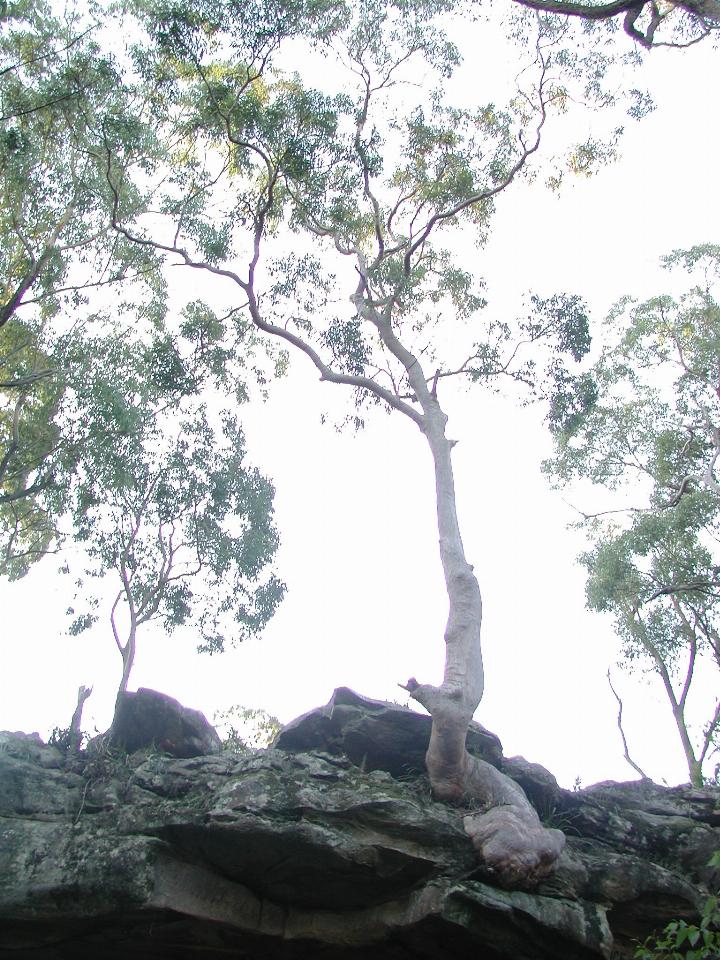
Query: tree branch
(37, 266)
(626, 753)
(484, 195)
(709, 733)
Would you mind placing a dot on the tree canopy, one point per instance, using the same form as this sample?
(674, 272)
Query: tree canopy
(59, 86)
(162, 498)
(648, 432)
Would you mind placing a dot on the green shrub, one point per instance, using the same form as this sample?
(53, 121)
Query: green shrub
(687, 941)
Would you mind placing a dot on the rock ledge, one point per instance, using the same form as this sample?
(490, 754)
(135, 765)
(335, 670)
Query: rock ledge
(327, 845)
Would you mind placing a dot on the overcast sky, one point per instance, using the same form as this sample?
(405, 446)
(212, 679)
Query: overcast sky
(366, 606)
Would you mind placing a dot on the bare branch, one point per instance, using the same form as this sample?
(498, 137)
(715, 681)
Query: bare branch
(484, 195)
(709, 733)
(626, 753)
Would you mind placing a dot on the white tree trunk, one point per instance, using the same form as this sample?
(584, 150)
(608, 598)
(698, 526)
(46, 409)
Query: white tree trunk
(506, 831)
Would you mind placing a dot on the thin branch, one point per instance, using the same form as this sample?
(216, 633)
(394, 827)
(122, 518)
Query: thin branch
(42, 106)
(604, 513)
(709, 733)
(483, 195)
(626, 754)
(46, 56)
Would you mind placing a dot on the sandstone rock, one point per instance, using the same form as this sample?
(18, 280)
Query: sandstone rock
(31, 781)
(677, 826)
(375, 735)
(148, 718)
(296, 855)
(539, 784)
(29, 746)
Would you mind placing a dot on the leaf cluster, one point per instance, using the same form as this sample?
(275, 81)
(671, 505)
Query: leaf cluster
(63, 103)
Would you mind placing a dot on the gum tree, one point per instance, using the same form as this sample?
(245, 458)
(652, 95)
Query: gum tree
(646, 426)
(162, 501)
(369, 175)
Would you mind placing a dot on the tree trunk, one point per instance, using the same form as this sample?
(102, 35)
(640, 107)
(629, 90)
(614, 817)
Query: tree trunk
(75, 735)
(128, 656)
(638, 628)
(693, 765)
(506, 832)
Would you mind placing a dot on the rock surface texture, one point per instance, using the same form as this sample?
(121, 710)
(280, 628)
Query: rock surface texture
(326, 846)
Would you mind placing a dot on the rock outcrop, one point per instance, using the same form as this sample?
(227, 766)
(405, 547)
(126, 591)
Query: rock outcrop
(147, 718)
(376, 735)
(329, 846)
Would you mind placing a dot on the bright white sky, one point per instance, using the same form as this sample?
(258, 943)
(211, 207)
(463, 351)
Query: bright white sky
(366, 606)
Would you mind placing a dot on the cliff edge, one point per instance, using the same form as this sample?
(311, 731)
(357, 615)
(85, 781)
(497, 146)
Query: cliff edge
(326, 845)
